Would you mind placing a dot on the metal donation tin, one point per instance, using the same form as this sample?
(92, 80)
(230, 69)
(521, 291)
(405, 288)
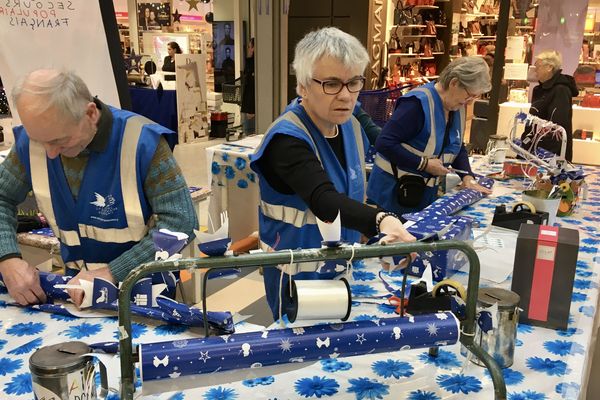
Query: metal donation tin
(500, 342)
(61, 372)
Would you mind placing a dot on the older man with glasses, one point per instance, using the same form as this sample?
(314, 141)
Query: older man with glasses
(311, 161)
(424, 137)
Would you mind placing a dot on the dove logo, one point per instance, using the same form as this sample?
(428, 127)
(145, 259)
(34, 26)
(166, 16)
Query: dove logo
(104, 204)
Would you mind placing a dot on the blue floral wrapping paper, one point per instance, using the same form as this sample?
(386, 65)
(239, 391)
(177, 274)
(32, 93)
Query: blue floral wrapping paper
(172, 359)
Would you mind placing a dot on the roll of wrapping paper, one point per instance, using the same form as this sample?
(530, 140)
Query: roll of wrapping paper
(448, 205)
(171, 359)
(319, 299)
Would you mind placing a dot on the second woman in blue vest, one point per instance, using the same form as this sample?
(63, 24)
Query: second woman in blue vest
(311, 160)
(424, 137)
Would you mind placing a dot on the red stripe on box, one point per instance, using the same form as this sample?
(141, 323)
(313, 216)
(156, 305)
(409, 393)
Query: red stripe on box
(543, 272)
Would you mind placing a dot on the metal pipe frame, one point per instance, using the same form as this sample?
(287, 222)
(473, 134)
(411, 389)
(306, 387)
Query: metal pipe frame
(467, 335)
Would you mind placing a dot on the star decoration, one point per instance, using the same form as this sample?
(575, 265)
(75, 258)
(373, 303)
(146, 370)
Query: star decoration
(360, 338)
(335, 354)
(193, 4)
(432, 329)
(176, 16)
(132, 62)
(204, 356)
(285, 345)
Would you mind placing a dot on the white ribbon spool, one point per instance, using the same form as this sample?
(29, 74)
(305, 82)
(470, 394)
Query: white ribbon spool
(319, 299)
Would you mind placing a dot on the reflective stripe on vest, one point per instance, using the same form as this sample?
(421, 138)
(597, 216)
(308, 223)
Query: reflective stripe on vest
(41, 190)
(136, 228)
(387, 167)
(432, 141)
(289, 215)
(292, 215)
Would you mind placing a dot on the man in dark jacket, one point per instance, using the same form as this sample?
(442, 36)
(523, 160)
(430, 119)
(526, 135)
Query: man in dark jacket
(552, 101)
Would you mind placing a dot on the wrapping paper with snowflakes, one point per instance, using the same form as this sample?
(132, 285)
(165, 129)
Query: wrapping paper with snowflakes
(452, 203)
(256, 349)
(548, 364)
(442, 262)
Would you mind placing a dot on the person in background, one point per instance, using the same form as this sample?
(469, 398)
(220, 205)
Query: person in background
(424, 137)
(248, 90)
(145, 19)
(552, 100)
(311, 161)
(104, 222)
(227, 40)
(169, 61)
(228, 66)
(152, 22)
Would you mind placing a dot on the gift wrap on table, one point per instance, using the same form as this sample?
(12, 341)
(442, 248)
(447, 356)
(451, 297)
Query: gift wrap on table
(172, 359)
(443, 263)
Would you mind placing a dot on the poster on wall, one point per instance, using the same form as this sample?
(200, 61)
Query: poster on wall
(154, 16)
(223, 53)
(79, 35)
(192, 111)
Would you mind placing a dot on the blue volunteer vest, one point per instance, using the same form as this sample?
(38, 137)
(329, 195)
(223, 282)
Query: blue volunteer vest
(111, 213)
(285, 221)
(427, 143)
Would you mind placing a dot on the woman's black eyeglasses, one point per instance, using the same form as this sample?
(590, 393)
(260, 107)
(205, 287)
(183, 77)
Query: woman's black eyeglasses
(335, 86)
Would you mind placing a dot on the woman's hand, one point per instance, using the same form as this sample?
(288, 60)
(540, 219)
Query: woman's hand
(469, 182)
(435, 167)
(394, 230)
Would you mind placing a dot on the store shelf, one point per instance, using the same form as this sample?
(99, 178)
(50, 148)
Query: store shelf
(408, 26)
(418, 36)
(417, 56)
(482, 16)
(523, 27)
(441, 26)
(425, 7)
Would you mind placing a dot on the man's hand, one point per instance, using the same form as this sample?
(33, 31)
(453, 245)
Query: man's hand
(22, 281)
(77, 294)
(469, 182)
(436, 167)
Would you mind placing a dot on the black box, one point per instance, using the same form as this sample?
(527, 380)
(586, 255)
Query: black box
(543, 274)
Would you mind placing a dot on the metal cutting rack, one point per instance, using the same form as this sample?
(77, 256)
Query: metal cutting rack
(467, 330)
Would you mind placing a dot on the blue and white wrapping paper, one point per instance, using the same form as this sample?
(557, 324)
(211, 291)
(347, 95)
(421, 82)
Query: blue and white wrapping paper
(445, 261)
(256, 349)
(448, 205)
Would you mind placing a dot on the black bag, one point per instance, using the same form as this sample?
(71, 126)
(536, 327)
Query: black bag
(409, 189)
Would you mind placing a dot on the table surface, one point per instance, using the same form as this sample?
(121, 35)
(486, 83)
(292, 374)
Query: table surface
(548, 364)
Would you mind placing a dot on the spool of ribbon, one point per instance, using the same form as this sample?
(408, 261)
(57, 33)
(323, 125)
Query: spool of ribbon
(172, 359)
(319, 299)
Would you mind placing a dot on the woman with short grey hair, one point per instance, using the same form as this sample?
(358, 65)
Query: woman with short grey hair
(550, 58)
(552, 100)
(327, 42)
(310, 163)
(471, 73)
(424, 139)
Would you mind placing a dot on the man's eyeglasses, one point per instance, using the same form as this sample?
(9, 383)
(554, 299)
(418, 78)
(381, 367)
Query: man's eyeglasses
(335, 86)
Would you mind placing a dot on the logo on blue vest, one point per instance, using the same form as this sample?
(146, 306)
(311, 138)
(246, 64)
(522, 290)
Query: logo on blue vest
(104, 204)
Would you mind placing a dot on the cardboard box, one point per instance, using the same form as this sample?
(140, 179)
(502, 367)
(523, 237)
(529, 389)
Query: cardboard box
(543, 274)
